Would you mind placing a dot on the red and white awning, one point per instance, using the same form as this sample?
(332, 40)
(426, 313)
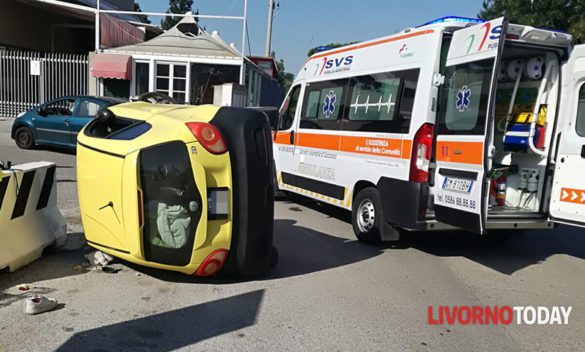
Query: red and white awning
(112, 66)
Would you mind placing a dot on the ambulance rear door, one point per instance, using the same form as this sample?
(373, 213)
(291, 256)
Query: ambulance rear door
(567, 203)
(464, 126)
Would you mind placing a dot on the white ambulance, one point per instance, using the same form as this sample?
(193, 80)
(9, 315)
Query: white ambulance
(458, 123)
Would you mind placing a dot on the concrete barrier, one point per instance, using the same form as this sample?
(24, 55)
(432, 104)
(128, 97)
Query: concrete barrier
(29, 218)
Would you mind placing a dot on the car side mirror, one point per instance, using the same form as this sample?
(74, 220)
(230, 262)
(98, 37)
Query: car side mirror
(272, 114)
(43, 112)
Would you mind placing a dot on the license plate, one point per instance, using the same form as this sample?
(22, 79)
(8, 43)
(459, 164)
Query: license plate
(217, 203)
(457, 185)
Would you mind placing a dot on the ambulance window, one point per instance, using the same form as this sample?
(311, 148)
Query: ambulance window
(324, 104)
(465, 98)
(289, 109)
(374, 98)
(581, 112)
(382, 102)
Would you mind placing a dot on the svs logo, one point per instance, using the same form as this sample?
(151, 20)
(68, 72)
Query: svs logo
(336, 65)
(493, 34)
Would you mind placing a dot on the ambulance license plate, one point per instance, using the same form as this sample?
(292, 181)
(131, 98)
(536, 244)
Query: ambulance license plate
(457, 185)
(217, 203)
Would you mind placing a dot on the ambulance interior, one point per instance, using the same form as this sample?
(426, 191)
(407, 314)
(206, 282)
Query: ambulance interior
(525, 104)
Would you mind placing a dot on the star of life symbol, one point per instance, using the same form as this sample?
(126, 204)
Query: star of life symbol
(329, 107)
(463, 100)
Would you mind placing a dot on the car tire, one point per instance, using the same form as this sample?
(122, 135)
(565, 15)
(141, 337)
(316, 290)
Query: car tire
(367, 219)
(24, 138)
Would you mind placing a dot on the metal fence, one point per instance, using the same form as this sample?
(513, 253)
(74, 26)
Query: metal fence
(28, 79)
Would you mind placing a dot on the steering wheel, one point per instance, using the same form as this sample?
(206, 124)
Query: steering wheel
(156, 98)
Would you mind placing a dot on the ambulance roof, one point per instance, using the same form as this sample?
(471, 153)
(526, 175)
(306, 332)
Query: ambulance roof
(515, 32)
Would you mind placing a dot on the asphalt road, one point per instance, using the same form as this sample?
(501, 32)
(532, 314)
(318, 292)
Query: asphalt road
(328, 292)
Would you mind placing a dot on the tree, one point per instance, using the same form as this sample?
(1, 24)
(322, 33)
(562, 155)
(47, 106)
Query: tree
(179, 7)
(284, 78)
(565, 15)
(330, 45)
(142, 18)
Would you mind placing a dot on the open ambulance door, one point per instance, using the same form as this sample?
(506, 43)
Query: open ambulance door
(567, 203)
(464, 145)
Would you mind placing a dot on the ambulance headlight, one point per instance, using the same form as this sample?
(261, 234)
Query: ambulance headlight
(514, 69)
(502, 74)
(534, 67)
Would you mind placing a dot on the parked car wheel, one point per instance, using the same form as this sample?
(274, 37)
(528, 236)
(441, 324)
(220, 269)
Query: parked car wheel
(24, 138)
(366, 216)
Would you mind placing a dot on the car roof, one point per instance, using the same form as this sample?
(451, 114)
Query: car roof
(111, 100)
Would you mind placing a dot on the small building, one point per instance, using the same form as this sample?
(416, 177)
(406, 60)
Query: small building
(185, 62)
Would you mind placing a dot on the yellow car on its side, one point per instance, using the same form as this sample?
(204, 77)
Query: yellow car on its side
(178, 187)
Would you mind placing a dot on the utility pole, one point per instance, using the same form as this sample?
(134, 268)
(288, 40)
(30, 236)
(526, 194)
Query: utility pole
(269, 29)
(97, 26)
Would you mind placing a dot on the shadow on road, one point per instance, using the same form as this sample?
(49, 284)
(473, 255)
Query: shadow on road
(60, 150)
(174, 329)
(505, 254)
(301, 251)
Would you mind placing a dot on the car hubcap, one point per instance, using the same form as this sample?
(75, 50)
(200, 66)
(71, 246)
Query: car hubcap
(23, 137)
(366, 216)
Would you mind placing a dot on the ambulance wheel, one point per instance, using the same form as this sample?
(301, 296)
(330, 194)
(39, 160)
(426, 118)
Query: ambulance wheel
(366, 216)
(24, 138)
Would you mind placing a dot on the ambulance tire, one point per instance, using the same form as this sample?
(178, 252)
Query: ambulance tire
(366, 216)
(24, 138)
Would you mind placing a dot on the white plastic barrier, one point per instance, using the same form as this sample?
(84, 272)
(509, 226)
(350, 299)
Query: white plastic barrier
(29, 218)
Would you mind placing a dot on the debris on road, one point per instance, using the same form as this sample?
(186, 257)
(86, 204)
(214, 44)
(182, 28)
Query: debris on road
(38, 304)
(110, 270)
(98, 259)
(24, 287)
(101, 261)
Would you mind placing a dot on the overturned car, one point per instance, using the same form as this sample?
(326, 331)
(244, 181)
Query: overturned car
(183, 188)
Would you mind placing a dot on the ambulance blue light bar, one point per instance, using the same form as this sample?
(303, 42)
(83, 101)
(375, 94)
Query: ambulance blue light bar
(322, 48)
(452, 19)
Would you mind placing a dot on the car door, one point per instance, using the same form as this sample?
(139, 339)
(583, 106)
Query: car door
(567, 200)
(52, 125)
(284, 136)
(465, 132)
(84, 113)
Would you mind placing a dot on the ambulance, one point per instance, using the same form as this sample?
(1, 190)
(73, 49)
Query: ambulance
(456, 124)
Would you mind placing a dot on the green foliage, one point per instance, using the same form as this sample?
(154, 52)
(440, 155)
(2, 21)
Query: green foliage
(331, 45)
(565, 15)
(284, 78)
(176, 6)
(142, 18)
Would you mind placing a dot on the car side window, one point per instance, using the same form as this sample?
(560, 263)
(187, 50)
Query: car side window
(87, 108)
(63, 107)
(289, 109)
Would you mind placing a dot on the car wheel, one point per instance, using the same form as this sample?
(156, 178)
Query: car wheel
(24, 138)
(366, 217)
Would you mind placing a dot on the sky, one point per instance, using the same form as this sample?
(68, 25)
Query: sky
(302, 24)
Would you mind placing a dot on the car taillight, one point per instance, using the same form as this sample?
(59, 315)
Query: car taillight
(213, 263)
(209, 137)
(421, 153)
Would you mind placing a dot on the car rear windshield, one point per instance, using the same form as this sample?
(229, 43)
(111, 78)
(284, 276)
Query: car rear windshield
(120, 128)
